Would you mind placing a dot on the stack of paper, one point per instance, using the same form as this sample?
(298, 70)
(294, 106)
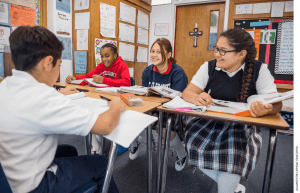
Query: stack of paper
(139, 90)
(166, 92)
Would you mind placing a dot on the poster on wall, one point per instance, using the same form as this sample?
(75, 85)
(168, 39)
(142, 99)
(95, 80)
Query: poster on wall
(127, 13)
(142, 36)
(98, 44)
(82, 39)
(142, 20)
(161, 29)
(126, 51)
(81, 4)
(67, 43)
(4, 41)
(126, 32)
(21, 15)
(107, 20)
(82, 20)
(80, 61)
(26, 3)
(64, 23)
(1, 66)
(142, 54)
(284, 63)
(267, 36)
(13, 28)
(3, 12)
(38, 13)
(63, 5)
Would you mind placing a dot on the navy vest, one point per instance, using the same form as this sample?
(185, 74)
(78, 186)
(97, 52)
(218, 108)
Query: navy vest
(227, 88)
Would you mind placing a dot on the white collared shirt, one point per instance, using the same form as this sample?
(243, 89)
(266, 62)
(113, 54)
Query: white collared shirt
(31, 113)
(264, 84)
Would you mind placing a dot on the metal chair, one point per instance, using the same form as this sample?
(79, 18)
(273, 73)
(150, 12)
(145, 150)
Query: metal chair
(90, 187)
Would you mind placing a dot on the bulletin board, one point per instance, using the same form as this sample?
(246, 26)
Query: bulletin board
(267, 52)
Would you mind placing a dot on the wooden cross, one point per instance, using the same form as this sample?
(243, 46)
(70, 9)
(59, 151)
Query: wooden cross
(195, 35)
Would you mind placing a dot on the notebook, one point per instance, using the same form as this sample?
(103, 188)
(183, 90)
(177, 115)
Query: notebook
(89, 81)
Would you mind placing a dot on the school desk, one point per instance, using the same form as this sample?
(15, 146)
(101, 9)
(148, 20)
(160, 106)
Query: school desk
(273, 122)
(146, 108)
(87, 88)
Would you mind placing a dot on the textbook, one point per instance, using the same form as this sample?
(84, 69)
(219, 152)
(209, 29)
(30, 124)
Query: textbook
(89, 81)
(149, 91)
(235, 108)
(131, 123)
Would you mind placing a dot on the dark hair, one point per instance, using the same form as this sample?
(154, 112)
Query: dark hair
(164, 44)
(242, 40)
(29, 45)
(112, 47)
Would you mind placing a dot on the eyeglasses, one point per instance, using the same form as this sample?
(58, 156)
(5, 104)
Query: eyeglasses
(222, 52)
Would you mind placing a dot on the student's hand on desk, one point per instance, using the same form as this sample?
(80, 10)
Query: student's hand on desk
(258, 109)
(203, 99)
(98, 78)
(69, 79)
(117, 103)
(68, 90)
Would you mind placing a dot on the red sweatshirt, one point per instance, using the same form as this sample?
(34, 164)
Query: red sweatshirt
(116, 75)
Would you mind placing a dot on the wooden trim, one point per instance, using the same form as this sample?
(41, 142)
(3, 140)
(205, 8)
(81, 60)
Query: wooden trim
(232, 16)
(141, 4)
(43, 5)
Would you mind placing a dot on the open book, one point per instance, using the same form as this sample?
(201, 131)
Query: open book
(131, 123)
(89, 81)
(157, 90)
(235, 108)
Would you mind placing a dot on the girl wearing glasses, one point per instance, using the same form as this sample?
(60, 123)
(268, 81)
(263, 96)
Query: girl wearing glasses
(228, 151)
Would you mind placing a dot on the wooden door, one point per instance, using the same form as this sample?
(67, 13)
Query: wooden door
(188, 57)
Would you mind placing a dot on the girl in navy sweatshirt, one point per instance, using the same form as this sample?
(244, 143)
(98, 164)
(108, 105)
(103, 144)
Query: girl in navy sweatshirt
(164, 72)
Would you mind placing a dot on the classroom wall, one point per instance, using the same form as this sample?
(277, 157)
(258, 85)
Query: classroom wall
(166, 14)
(66, 67)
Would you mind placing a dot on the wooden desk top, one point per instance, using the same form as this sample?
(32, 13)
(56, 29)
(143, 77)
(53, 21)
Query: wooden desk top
(93, 89)
(270, 121)
(146, 108)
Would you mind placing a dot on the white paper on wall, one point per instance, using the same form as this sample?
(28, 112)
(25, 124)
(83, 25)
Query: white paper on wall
(142, 36)
(107, 20)
(277, 9)
(126, 32)
(131, 72)
(289, 6)
(127, 13)
(3, 12)
(143, 20)
(81, 4)
(261, 8)
(126, 51)
(82, 39)
(4, 38)
(243, 9)
(82, 20)
(142, 54)
(98, 44)
(64, 22)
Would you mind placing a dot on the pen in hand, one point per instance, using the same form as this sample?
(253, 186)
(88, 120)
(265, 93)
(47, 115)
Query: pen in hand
(104, 98)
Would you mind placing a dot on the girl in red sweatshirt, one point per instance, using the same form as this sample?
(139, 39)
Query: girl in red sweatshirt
(112, 70)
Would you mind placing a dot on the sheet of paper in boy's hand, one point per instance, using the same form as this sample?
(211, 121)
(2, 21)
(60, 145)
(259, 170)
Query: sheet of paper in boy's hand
(131, 124)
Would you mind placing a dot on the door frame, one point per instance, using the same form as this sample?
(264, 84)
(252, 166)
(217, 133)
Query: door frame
(176, 3)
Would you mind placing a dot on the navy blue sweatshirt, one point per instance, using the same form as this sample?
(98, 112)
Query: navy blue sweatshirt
(174, 78)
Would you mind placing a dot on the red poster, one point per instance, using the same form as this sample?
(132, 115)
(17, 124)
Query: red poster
(22, 15)
(256, 40)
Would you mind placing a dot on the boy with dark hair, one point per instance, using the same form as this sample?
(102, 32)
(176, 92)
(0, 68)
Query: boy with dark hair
(32, 112)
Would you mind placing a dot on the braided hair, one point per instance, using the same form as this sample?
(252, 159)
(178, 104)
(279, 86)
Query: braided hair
(112, 47)
(242, 40)
(164, 44)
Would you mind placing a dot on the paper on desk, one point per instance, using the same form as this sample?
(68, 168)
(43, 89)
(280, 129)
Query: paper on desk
(131, 123)
(109, 89)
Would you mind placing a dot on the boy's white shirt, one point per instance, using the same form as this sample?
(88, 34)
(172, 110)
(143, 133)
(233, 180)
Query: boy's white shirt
(31, 114)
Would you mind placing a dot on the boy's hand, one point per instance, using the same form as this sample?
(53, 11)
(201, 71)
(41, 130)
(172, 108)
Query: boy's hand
(98, 78)
(258, 109)
(117, 103)
(68, 90)
(203, 99)
(69, 79)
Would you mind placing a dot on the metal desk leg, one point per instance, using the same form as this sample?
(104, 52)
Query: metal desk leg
(270, 160)
(100, 141)
(160, 125)
(166, 150)
(110, 166)
(149, 156)
(88, 143)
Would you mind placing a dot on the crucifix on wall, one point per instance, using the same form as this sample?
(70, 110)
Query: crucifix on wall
(195, 35)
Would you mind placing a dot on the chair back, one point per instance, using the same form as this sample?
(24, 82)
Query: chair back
(132, 81)
(4, 186)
